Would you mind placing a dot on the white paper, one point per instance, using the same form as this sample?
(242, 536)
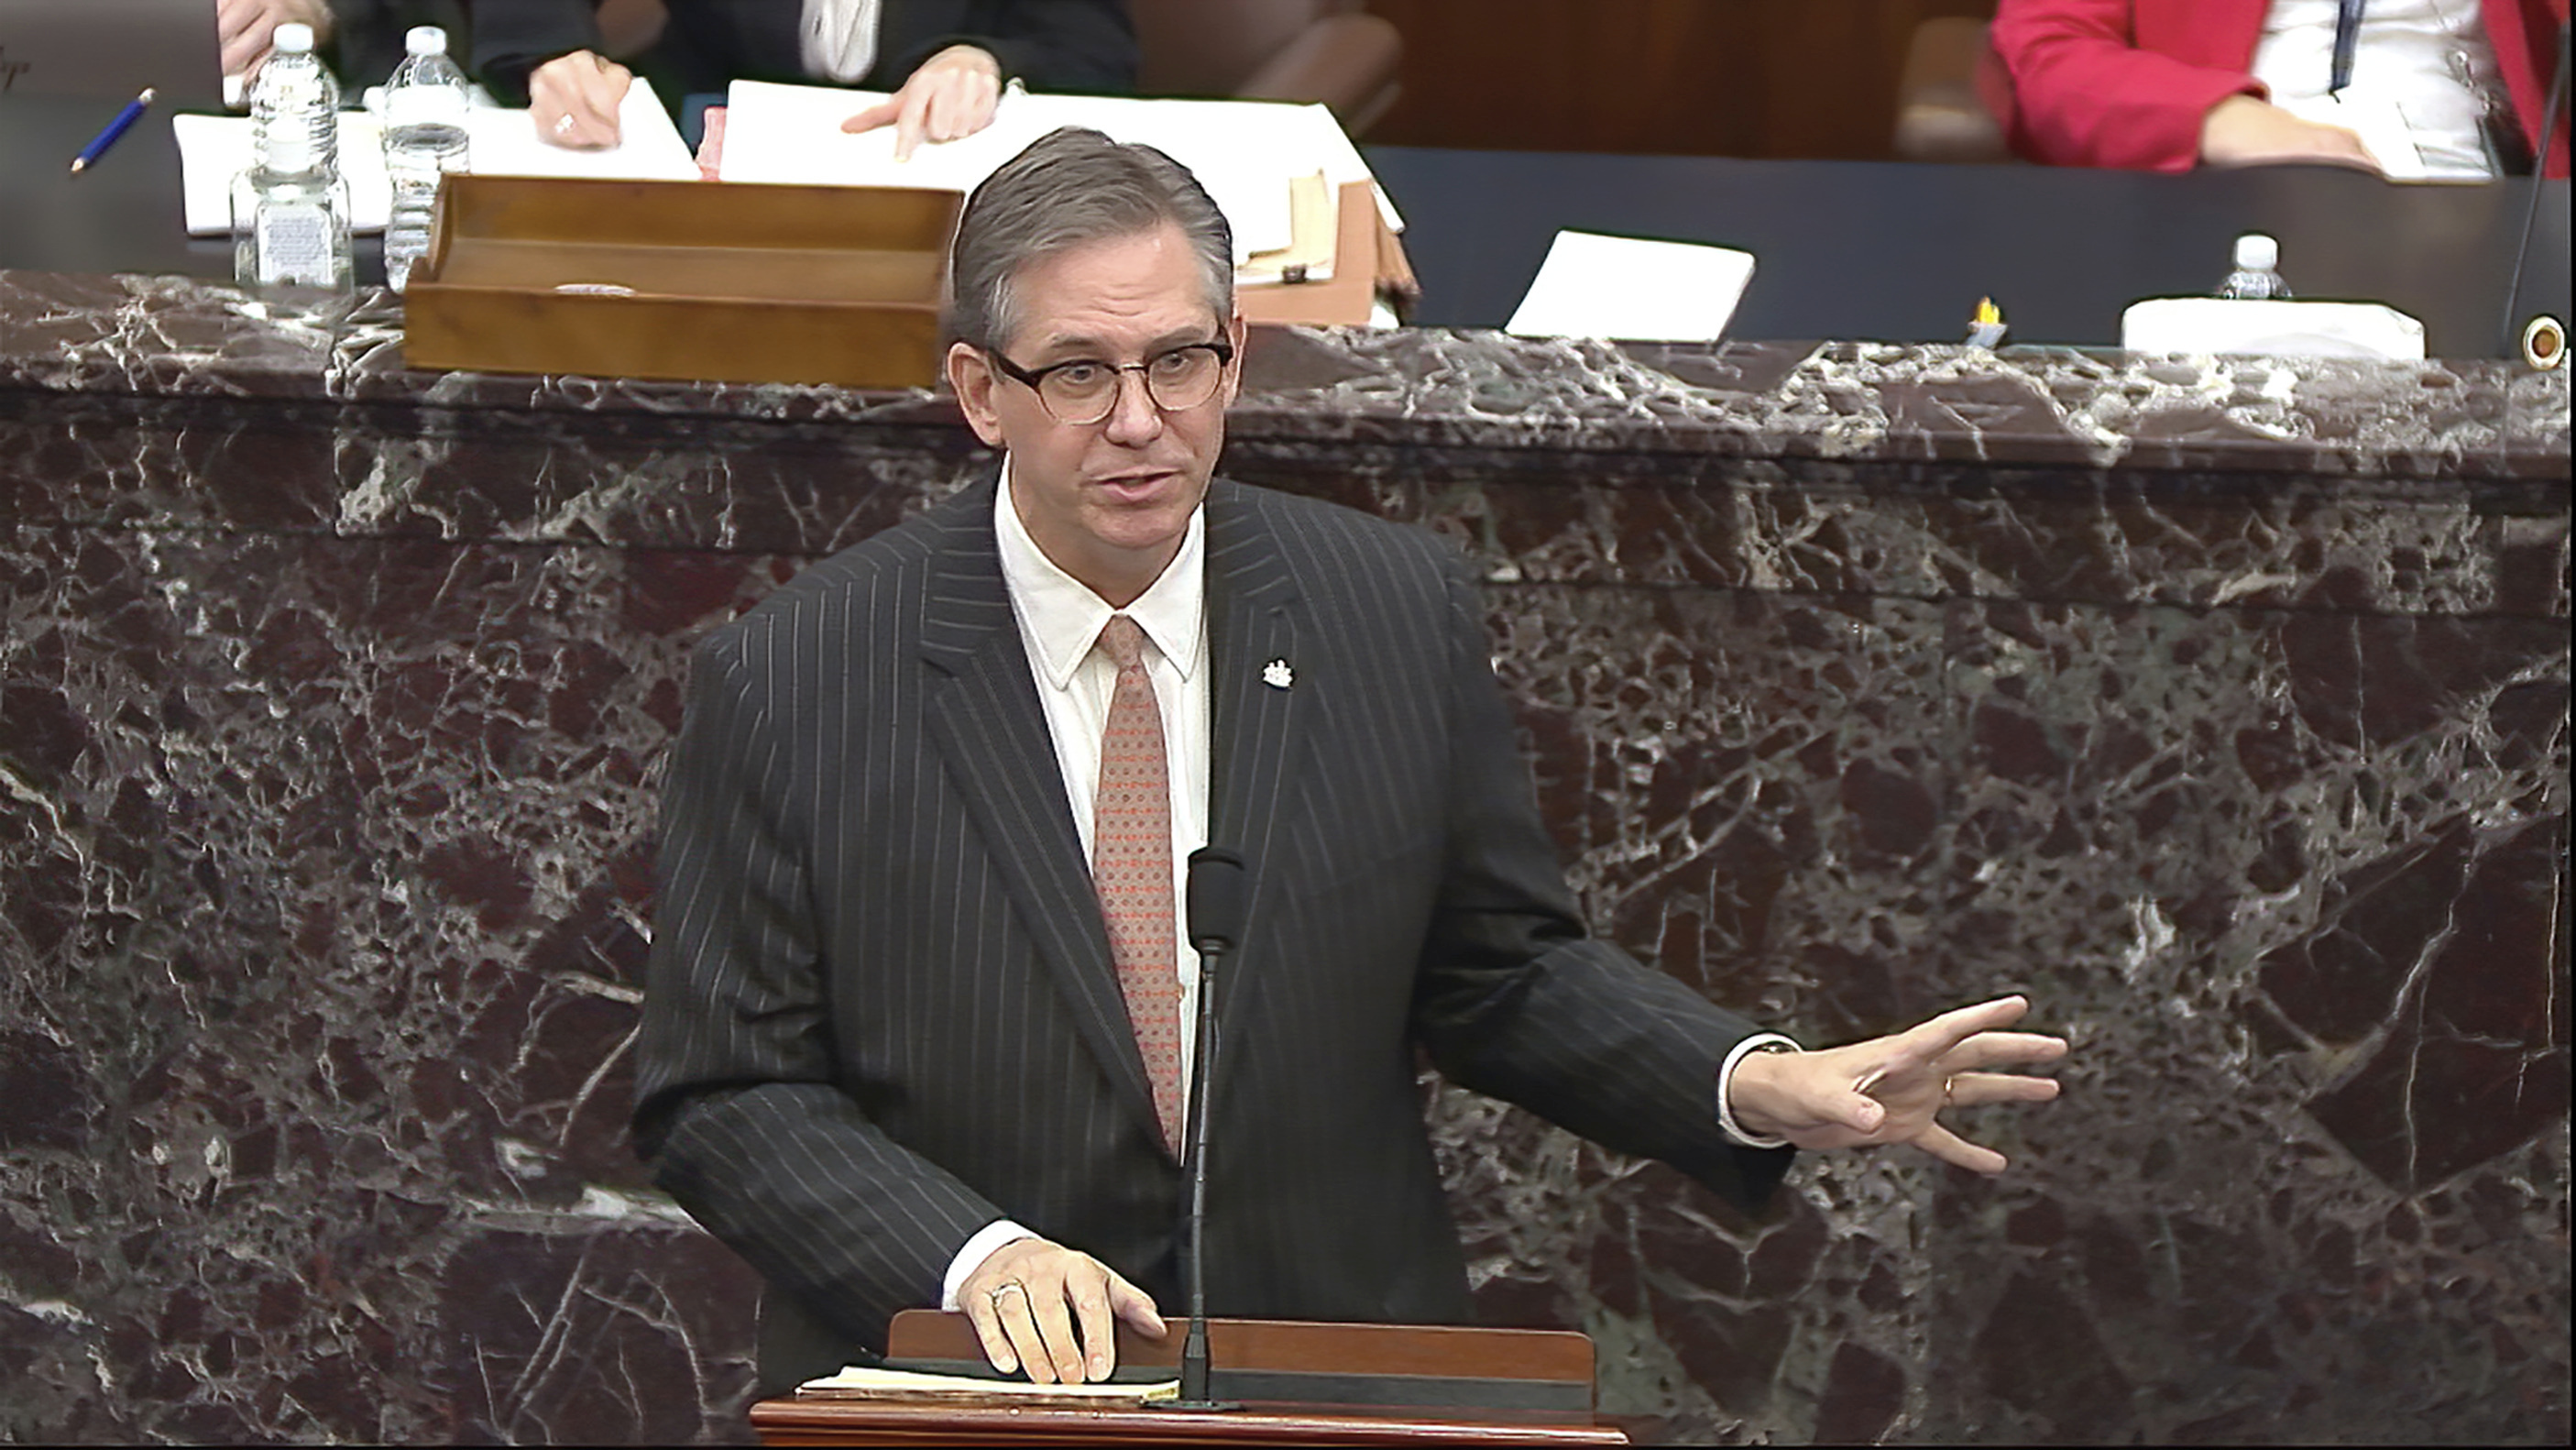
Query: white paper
(648, 147)
(215, 149)
(2272, 329)
(875, 1380)
(1644, 291)
(1243, 152)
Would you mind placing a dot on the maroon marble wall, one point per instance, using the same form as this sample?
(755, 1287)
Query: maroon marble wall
(2223, 709)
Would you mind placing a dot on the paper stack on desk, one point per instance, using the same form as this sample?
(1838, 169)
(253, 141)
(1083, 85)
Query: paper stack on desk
(215, 149)
(1265, 163)
(870, 1382)
(2281, 328)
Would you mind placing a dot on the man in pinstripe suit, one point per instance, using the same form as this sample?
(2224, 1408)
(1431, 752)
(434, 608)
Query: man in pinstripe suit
(899, 1045)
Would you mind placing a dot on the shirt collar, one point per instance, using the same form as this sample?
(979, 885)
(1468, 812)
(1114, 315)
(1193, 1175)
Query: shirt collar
(1062, 617)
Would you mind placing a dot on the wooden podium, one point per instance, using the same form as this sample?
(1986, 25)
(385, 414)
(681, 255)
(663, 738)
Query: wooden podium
(1297, 1383)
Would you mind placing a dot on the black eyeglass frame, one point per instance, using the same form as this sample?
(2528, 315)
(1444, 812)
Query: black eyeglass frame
(1033, 378)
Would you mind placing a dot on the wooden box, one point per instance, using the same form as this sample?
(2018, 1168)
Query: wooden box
(680, 279)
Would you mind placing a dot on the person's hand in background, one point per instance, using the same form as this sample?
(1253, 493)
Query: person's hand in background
(574, 100)
(243, 28)
(2244, 131)
(954, 94)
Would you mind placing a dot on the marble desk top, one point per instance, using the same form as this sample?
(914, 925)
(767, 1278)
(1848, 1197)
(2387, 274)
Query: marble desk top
(1433, 389)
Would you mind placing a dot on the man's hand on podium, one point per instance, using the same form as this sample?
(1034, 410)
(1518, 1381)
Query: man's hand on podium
(1018, 1300)
(1893, 1089)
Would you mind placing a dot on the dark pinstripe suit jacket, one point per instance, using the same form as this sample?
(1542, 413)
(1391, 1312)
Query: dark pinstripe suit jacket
(882, 1011)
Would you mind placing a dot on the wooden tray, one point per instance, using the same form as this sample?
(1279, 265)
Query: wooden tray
(683, 279)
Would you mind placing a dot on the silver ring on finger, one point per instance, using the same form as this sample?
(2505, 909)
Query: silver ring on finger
(1948, 1097)
(994, 1295)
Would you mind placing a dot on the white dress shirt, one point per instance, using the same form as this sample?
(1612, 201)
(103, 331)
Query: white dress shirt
(2428, 58)
(837, 40)
(1060, 619)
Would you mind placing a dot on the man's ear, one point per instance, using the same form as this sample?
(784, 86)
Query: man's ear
(970, 376)
(1235, 333)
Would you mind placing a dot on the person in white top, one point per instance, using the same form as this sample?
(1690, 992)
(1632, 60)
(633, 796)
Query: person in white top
(2427, 61)
(2462, 86)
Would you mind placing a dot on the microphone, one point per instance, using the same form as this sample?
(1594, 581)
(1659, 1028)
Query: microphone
(2513, 344)
(1218, 897)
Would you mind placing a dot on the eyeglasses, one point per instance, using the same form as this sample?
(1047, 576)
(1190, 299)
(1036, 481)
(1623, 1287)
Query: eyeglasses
(1084, 391)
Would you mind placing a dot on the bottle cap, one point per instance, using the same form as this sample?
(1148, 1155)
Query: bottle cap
(2256, 252)
(292, 38)
(425, 40)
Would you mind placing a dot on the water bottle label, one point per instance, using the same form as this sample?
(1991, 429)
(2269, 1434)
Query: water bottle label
(294, 245)
(423, 106)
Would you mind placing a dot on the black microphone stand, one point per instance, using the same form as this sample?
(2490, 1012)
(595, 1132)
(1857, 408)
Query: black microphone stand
(2557, 107)
(1216, 905)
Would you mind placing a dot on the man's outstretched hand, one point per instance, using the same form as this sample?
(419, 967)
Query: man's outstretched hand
(1029, 1298)
(1892, 1089)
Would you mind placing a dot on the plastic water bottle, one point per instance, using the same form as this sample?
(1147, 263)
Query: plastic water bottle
(424, 139)
(290, 208)
(2257, 276)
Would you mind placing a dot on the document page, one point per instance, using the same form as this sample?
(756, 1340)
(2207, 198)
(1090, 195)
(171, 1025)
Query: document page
(648, 148)
(871, 1382)
(1243, 152)
(1640, 291)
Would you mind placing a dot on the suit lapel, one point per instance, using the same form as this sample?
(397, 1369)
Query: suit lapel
(1255, 715)
(991, 734)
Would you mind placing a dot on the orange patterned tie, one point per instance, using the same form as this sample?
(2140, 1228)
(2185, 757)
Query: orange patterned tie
(1131, 867)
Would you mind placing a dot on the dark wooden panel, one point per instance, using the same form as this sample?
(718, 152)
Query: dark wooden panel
(1780, 78)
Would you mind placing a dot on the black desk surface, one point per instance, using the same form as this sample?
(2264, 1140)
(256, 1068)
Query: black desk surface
(1851, 250)
(122, 215)
(1896, 252)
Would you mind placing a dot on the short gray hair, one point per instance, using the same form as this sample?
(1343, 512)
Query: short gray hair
(1070, 188)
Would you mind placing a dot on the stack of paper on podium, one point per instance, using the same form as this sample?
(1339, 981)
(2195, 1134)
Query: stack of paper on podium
(871, 1382)
(1277, 170)
(2271, 328)
(215, 149)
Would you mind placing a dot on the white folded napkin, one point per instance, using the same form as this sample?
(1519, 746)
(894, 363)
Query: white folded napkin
(2272, 329)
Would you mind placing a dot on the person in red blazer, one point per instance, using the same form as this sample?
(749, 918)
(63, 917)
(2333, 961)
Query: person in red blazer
(2165, 85)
